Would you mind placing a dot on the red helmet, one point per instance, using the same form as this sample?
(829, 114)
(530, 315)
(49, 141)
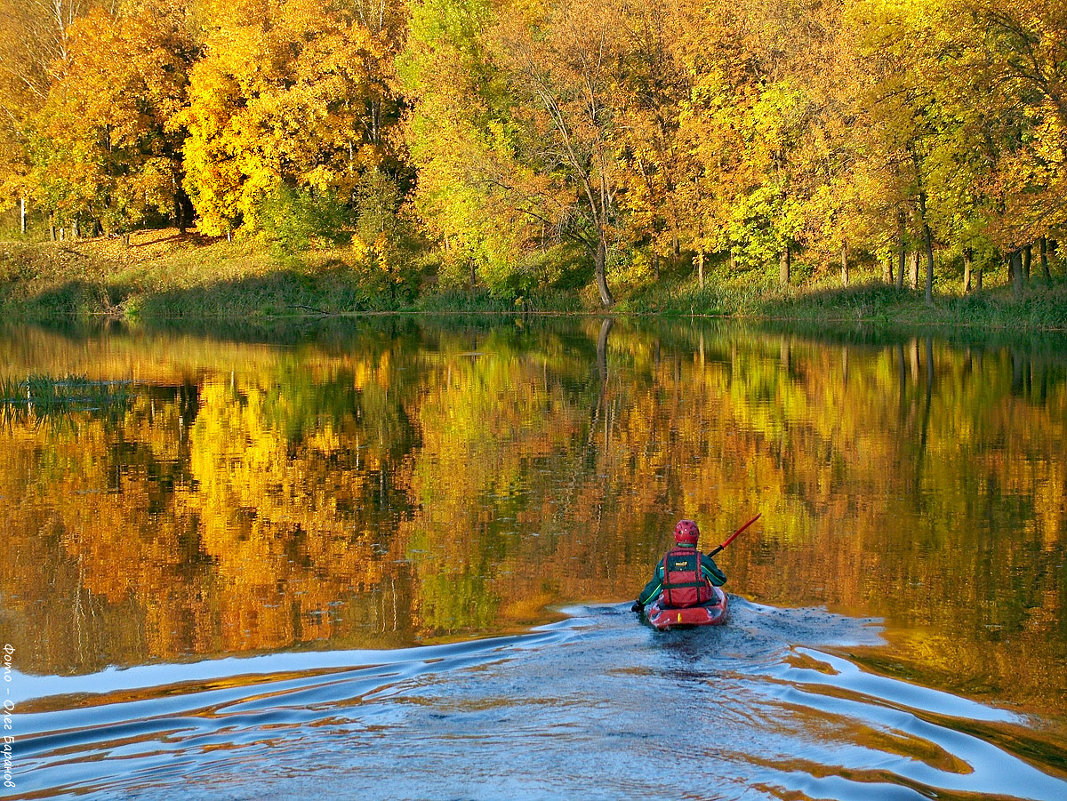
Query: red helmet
(686, 532)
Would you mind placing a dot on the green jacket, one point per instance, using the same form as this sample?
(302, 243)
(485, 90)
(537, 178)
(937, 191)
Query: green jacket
(708, 569)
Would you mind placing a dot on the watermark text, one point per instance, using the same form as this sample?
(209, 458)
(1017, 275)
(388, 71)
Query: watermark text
(8, 747)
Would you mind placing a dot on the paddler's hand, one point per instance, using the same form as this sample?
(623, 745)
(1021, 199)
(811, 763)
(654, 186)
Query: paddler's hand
(637, 607)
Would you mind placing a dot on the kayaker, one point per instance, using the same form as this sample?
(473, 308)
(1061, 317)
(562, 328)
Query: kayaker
(684, 576)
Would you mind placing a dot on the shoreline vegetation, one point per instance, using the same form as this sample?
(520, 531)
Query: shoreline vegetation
(753, 159)
(163, 275)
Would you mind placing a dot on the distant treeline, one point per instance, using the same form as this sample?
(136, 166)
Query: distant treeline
(518, 145)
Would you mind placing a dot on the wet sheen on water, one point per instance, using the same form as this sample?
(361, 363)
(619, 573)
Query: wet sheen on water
(593, 707)
(328, 560)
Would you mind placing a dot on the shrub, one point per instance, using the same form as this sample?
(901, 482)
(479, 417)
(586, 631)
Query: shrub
(293, 220)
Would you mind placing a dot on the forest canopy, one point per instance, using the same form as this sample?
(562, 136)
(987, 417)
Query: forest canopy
(516, 145)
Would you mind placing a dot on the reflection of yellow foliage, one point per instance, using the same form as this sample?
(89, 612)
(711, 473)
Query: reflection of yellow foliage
(273, 497)
(485, 420)
(270, 517)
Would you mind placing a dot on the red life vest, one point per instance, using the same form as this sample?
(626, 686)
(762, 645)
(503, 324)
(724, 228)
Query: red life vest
(683, 583)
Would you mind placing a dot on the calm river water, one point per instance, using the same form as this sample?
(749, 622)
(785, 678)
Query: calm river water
(394, 558)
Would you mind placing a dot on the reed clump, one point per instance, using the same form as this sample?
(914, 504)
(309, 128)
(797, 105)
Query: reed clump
(43, 396)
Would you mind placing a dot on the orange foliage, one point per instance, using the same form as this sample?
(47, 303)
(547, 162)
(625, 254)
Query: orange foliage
(394, 491)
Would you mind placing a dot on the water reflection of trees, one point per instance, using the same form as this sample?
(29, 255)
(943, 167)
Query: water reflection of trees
(391, 485)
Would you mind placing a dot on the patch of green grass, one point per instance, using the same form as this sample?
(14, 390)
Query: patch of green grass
(164, 275)
(688, 298)
(877, 303)
(481, 301)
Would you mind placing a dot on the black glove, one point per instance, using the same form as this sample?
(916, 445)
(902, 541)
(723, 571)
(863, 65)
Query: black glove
(637, 607)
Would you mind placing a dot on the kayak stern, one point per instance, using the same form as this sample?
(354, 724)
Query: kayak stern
(665, 618)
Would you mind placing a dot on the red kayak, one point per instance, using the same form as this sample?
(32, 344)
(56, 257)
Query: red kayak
(712, 613)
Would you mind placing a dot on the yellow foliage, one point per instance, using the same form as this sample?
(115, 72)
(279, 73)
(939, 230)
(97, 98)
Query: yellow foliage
(393, 490)
(282, 95)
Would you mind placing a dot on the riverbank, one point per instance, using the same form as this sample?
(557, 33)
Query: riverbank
(163, 275)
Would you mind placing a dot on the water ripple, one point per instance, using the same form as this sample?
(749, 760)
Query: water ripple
(593, 707)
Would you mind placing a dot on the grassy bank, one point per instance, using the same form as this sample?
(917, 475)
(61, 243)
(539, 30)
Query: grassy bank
(872, 302)
(165, 275)
(161, 275)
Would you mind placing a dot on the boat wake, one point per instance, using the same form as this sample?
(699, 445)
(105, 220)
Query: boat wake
(597, 706)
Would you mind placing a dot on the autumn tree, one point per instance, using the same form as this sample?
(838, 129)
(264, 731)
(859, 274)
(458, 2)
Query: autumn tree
(751, 146)
(710, 166)
(1016, 68)
(455, 137)
(522, 99)
(34, 45)
(295, 92)
(107, 148)
(794, 147)
(564, 65)
(653, 161)
(894, 122)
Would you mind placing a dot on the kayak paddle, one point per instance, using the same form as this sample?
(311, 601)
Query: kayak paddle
(734, 535)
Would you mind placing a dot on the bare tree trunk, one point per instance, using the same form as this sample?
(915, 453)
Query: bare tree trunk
(700, 268)
(929, 269)
(1044, 260)
(22, 216)
(844, 264)
(785, 266)
(1015, 260)
(600, 264)
(968, 259)
(902, 250)
(928, 243)
(179, 212)
(913, 268)
(889, 270)
(1028, 257)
